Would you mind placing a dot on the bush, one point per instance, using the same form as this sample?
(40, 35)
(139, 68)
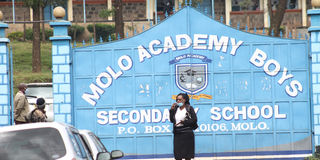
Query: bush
(29, 34)
(16, 36)
(102, 30)
(76, 30)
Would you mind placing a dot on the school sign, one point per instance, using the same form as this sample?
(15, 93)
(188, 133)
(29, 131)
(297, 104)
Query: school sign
(251, 93)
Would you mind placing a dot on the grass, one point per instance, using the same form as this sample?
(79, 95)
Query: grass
(22, 63)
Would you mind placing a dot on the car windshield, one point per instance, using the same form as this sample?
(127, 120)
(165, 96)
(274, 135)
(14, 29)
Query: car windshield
(45, 92)
(30, 144)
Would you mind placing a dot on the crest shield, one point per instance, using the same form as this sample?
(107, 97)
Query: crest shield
(192, 78)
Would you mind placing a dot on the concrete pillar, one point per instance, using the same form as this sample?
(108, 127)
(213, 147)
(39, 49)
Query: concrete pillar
(228, 10)
(304, 13)
(5, 98)
(314, 30)
(266, 18)
(109, 8)
(70, 10)
(261, 4)
(61, 70)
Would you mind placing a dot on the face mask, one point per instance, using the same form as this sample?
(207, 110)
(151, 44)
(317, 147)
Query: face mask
(26, 91)
(180, 104)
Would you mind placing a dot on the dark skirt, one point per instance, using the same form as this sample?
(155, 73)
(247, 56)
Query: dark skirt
(183, 145)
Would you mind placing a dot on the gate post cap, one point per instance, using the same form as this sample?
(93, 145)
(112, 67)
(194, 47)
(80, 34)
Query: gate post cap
(315, 3)
(1, 15)
(59, 12)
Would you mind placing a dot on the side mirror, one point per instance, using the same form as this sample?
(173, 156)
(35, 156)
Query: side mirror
(103, 156)
(116, 154)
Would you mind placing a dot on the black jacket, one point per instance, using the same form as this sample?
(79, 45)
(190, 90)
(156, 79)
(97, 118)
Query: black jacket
(188, 123)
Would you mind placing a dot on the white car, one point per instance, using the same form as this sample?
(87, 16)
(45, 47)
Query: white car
(44, 90)
(96, 146)
(42, 141)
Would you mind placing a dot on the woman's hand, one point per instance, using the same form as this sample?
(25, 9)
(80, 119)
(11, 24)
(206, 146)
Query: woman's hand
(173, 105)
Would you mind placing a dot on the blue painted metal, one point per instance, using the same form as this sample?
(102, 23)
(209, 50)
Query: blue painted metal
(118, 36)
(127, 34)
(255, 30)
(238, 26)
(314, 30)
(251, 92)
(11, 87)
(5, 87)
(109, 39)
(263, 31)
(74, 44)
(92, 41)
(100, 39)
(299, 35)
(83, 43)
(143, 28)
(290, 35)
(221, 19)
(246, 28)
(281, 34)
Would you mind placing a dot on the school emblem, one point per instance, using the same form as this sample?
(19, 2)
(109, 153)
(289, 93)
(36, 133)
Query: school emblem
(192, 78)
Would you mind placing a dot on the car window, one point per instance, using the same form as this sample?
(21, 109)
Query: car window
(30, 144)
(83, 148)
(98, 143)
(74, 143)
(45, 92)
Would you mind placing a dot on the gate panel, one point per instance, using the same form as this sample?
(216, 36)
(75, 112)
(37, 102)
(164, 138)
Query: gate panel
(250, 92)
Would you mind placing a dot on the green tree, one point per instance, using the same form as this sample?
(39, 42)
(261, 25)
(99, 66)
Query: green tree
(37, 6)
(116, 13)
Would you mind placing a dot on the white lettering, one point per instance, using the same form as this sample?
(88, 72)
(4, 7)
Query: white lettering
(223, 42)
(168, 44)
(96, 92)
(198, 40)
(151, 47)
(235, 46)
(295, 86)
(275, 70)
(260, 56)
(128, 60)
(187, 39)
(143, 53)
(284, 76)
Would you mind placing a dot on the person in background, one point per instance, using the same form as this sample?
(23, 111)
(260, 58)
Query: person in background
(184, 120)
(39, 114)
(21, 105)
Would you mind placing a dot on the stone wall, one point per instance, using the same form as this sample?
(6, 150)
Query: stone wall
(292, 18)
(130, 10)
(21, 12)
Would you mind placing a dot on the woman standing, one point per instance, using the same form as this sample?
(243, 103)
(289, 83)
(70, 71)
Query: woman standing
(184, 120)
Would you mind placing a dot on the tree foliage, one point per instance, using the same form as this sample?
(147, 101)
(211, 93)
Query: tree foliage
(37, 6)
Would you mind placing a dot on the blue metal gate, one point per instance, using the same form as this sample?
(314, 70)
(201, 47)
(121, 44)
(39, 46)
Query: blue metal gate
(250, 92)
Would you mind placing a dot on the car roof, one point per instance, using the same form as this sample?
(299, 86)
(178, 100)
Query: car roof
(57, 125)
(47, 84)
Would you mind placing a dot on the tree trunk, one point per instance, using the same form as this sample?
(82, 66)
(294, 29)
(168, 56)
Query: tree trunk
(36, 56)
(119, 26)
(277, 17)
(42, 23)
